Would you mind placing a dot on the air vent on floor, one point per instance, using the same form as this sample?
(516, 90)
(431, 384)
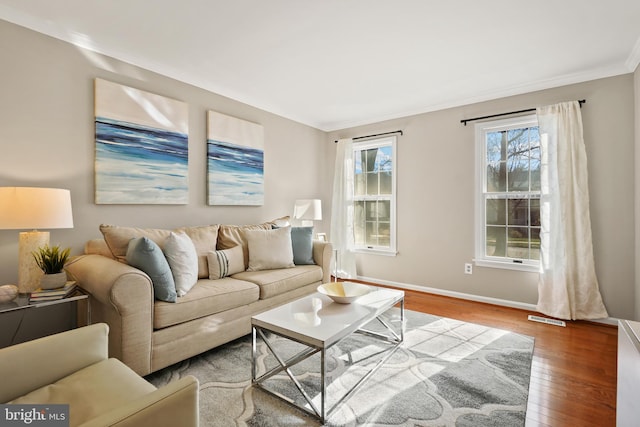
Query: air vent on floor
(546, 320)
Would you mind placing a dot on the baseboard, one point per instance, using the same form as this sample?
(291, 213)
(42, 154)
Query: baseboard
(477, 298)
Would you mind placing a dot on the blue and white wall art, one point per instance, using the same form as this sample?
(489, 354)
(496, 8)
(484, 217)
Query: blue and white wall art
(235, 161)
(141, 146)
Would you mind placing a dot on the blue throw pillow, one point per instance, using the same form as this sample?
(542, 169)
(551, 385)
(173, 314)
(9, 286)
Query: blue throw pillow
(302, 242)
(145, 254)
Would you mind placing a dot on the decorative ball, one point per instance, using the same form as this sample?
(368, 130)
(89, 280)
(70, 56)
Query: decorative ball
(8, 293)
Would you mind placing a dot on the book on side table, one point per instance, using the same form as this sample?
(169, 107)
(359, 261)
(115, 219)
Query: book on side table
(52, 294)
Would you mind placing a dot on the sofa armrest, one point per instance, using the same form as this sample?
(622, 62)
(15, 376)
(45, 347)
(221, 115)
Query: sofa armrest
(322, 256)
(175, 404)
(34, 364)
(122, 297)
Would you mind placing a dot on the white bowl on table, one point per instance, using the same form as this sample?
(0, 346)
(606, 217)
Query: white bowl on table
(343, 292)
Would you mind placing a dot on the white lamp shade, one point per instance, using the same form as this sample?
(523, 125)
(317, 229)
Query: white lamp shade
(30, 208)
(309, 209)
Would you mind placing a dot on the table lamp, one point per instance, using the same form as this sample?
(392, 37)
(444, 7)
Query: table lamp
(33, 208)
(307, 211)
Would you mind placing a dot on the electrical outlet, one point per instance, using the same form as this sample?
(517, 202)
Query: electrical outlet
(468, 268)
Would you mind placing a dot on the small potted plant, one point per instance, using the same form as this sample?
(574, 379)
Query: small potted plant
(51, 260)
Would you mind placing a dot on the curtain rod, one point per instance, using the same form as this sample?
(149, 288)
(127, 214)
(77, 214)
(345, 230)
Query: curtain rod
(377, 134)
(528, 110)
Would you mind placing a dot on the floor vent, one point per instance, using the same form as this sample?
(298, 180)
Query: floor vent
(546, 320)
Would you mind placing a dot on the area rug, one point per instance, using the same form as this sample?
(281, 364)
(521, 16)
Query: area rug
(446, 373)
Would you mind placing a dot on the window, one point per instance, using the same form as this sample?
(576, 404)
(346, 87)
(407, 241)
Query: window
(374, 195)
(508, 194)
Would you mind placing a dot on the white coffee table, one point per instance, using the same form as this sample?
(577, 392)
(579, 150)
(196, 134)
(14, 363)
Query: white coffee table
(319, 323)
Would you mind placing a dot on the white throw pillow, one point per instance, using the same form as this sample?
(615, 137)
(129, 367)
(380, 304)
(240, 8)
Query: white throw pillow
(183, 260)
(225, 262)
(269, 249)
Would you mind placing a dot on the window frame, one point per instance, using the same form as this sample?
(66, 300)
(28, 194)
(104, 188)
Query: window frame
(481, 129)
(377, 142)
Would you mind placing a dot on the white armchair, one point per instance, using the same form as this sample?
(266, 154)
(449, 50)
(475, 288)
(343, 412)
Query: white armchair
(73, 368)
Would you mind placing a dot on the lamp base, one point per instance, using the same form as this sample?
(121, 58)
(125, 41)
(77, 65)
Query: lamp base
(29, 273)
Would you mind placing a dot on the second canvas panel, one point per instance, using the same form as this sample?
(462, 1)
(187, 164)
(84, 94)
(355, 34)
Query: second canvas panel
(235, 161)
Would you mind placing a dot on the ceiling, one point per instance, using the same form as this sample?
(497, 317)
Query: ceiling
(333, 64)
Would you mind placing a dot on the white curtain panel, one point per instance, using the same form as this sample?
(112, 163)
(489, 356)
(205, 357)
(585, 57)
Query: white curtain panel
(568, 286)
(341, 233)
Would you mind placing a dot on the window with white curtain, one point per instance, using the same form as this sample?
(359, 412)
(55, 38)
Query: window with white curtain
(374, 196)
(508, 193)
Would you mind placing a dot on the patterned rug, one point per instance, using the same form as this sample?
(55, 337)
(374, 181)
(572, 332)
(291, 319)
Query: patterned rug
(446, 373)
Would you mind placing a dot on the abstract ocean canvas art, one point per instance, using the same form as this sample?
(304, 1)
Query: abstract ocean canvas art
(235, 161)
(141, 146)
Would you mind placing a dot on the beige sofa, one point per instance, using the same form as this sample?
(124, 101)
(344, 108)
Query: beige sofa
(147, 334)
(72, 368)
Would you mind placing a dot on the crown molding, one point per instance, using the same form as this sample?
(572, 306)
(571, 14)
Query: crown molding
(565, 80)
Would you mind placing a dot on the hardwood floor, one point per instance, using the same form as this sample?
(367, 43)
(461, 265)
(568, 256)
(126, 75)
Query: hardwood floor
(573, 373)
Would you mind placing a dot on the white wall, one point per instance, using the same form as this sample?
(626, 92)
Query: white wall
(436, 196)
(47, 139)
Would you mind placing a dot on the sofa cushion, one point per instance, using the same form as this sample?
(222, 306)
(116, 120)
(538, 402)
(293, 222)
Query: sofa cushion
(204, 238)
(145, 254)
(90, 393)
(205, 298)
(118, 238)
(98, 247)
(233, 235)
(225, 262)
(183, 260)
(276, 282)
(269, 249)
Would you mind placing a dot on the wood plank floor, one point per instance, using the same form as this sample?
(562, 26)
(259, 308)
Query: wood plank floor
(573, 374)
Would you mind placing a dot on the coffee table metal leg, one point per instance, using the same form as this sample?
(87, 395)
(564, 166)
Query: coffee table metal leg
(253, 354)
(322, 413)
(323, 386)
(396, 337)
(402, 323)
(284, 366)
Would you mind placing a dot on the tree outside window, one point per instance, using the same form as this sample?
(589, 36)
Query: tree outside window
(509, 192)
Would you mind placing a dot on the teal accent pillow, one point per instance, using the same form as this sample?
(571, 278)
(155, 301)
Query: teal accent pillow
(302, 242)
(145, 254)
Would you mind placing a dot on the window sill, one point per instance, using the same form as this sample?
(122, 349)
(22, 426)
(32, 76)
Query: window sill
(375, 252)
(508, 265)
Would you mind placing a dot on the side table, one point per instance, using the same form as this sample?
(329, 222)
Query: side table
(24, 321)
